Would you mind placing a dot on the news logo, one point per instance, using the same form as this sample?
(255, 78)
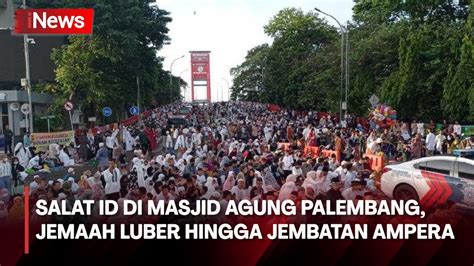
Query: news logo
(61, 21)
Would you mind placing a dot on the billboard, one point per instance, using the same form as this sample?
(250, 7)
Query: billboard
(42, 140)
(200, 76)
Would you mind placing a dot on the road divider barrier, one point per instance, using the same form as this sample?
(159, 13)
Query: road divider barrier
(376, 162)
(329, 153)
(285, 146)
(312, 151)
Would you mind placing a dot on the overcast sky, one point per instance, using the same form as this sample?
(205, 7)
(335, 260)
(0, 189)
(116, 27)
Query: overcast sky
(227, 28)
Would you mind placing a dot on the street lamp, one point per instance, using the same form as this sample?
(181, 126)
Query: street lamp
(26, 42)
(171, 72)
(228, 88)
(342, 60)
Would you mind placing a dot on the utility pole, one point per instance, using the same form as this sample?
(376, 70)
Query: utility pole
(138, 97)
(28, 77)
(171, 75)
(347, 67)
(342, 61)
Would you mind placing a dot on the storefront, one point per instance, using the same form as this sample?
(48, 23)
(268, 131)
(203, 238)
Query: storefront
(14, 118)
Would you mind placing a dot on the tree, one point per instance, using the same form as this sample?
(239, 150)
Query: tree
(283, 72)
(248, 83)
(102, 69)
(415, 55)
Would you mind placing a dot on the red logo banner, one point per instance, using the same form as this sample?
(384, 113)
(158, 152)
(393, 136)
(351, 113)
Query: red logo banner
(62, 21)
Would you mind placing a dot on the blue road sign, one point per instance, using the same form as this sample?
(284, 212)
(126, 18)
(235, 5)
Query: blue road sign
(107, 111)
(134, 110)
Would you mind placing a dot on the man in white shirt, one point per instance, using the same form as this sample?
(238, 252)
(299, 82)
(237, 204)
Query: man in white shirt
(457, 128)
(34, 162)
(197, 138)
(287, 163)
(240, 191)
(165, 195)
(421, 128)
(128, 139)
(64, 158)
(341, 170)
(111, 142)
(201, 177)
(306, 132)
(297, 170)
(440, 138)
(349, 176)
(111, 181)
(354, 191)
(94, 180)
(53, 150)
(169, 143)
(268, 132)
(430, 143)
(35, 184)
(180, 143)
(224, 133)
(375, 146)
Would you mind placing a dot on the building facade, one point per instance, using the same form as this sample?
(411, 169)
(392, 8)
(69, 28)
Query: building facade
(12, 70)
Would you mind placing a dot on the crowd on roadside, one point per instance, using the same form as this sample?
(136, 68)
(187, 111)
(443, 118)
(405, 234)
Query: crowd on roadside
(224, 151)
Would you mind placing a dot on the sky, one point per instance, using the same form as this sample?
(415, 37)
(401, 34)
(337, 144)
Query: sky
(227, 28)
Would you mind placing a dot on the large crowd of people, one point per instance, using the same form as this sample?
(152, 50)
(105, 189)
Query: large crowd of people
(223, 151)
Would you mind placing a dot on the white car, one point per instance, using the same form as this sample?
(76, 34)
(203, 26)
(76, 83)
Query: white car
(432, 180)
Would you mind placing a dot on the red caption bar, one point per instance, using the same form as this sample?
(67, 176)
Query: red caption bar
(63, 21)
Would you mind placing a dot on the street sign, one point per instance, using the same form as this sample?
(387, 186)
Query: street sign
(68, 106)
(374, 100)
(15, 106)
(48, 117)
(134, 110)
(25, 108)
(92, 119)
(107, 111)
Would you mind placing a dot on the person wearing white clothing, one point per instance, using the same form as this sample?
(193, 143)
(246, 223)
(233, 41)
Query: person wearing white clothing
(240, 191)
(197, 139)
(128, 140)
(420, 128)
(430, 143)
(23, 154)
(287, 162)
(352, 192)
(440, 138)
(180, 143)
(111, 181)
(64, 158)
(169, 143)
(53, 150)
(35, 184)
(34, 163)
(268, 132)
(457, 128)
(306, 132)
(111, 142)
(5, 173)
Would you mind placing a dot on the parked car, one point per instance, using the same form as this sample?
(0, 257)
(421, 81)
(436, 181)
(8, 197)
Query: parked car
(177, 120)
(432, 180)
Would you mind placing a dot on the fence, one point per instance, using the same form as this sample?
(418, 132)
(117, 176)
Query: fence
(376, 162)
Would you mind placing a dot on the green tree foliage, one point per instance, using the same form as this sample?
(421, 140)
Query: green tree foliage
(416, 55)
(248, 83)
(283, 72)
(102, 69)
